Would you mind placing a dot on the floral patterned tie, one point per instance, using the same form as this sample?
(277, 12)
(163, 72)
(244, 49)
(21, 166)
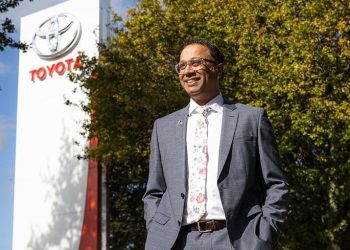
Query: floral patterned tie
(196, 204)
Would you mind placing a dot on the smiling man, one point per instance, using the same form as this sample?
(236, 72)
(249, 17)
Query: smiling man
(215, 178)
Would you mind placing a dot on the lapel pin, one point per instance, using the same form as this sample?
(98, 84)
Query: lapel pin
(179, 122)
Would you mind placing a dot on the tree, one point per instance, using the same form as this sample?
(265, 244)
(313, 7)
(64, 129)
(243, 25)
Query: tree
(290, 57)
(7, 26)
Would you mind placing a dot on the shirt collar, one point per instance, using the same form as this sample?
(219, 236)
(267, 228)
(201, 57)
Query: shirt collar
(215, 104)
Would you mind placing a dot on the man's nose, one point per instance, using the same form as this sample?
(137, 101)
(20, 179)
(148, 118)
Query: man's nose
(188, 70)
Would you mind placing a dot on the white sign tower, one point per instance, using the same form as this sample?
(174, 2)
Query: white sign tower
(57, 197)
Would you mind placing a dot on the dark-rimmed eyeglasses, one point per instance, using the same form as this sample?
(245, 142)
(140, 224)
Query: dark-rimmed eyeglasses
(195, 64)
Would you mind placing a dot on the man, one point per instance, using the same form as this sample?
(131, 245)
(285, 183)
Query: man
(215, 180)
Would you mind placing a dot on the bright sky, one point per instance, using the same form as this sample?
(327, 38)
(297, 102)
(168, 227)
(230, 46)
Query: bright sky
(8, 106)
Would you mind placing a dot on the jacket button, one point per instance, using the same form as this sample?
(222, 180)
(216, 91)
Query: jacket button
(182, 195)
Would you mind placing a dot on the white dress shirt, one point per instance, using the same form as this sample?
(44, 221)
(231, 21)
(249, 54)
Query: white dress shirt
(213, 203)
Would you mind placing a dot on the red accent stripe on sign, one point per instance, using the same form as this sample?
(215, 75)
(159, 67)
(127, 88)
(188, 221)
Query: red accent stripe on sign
(91, 229)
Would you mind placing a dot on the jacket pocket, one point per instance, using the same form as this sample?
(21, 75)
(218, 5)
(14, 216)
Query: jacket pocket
(243, 138)
(160, 218)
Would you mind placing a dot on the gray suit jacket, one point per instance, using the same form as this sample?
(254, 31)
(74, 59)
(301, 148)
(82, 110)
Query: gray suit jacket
(252, 188)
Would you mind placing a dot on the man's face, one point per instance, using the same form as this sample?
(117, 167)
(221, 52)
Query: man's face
(202, 84)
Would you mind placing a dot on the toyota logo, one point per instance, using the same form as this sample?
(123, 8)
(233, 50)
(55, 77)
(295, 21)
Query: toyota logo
(56, 36)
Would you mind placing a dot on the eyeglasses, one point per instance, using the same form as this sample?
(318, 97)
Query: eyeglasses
(195, 64)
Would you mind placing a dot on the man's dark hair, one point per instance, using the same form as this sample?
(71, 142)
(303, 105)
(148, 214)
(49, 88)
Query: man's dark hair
(214, 50)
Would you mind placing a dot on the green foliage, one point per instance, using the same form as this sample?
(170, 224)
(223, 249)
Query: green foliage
(8, 28)
(290, 57)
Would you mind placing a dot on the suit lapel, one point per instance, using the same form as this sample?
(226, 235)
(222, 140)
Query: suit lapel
(229, 124)
(180, 140)
(179, 170)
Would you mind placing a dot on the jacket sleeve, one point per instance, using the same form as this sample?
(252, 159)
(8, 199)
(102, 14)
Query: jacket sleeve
(156, 184)
(272, 180)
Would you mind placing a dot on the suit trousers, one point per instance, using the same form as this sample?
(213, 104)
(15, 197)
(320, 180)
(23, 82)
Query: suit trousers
(216, 240)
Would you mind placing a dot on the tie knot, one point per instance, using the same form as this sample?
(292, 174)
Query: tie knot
(204, 110)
